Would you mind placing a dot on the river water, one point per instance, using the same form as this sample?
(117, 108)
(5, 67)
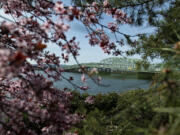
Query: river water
(114, 82)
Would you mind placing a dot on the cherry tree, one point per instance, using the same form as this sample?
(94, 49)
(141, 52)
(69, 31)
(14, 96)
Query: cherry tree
(29, 103)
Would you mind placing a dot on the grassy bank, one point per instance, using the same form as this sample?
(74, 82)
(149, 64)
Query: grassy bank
(136, 112)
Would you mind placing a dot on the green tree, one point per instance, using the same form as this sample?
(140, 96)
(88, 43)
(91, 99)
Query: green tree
(167, 34)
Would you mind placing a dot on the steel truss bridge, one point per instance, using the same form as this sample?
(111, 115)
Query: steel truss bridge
(116, 65)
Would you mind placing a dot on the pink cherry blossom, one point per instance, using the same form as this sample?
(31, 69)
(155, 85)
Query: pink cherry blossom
(89, 100)
(59, 7)
(112, 26)
(105, 3)
(84, 87)
(83, 79)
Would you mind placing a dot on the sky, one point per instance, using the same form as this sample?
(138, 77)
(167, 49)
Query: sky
(87, 52)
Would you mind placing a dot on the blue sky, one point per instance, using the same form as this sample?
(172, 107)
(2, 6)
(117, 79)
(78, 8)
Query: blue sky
(88, 53)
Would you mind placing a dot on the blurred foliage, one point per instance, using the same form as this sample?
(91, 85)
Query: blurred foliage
(118, 114)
